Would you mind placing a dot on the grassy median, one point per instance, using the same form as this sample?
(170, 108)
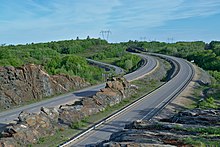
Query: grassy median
(146, 85)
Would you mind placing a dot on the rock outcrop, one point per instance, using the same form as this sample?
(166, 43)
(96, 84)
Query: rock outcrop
(22, 84)
(196, 117)
(30, 126)
(195, 124)
(115, 91)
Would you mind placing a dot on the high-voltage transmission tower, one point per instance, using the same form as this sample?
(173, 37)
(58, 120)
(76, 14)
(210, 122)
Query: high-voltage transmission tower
(143, 38)
(105, 34)
(170, 40)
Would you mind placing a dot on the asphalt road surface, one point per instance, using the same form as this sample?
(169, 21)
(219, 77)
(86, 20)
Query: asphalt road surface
(144, 109)
(118, 70)
(10, 115)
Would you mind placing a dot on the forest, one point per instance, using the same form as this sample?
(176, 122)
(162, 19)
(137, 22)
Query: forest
(69, 57)
(205, 55)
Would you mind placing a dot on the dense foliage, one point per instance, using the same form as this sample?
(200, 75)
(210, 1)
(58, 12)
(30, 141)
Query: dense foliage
(121, 58)
(63, 56)
(56, 57)
(69, 56)
(204, 55)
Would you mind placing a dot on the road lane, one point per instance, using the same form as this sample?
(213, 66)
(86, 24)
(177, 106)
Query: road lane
(118, 70)
(10, 115)
(144, 109)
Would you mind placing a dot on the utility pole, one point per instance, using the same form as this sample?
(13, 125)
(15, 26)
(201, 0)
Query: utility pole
(143, 38)
(170, 40)
(105, 34)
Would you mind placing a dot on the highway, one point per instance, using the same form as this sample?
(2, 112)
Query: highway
(10, 115)
(118, 70)
(143, 109)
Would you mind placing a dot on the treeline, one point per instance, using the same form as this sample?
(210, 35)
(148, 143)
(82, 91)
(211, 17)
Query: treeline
(122, 58)
(68, 56)
(204, 55)
(56, 57)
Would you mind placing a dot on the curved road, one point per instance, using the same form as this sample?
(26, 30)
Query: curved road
(10, 115)
(118, 70)
(144, 108)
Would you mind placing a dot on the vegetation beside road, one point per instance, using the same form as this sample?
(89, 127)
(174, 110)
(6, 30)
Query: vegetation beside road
(206, 95)
(117, 55)
(68, 57)
(205, 55)
(151, 82)
(55, 57)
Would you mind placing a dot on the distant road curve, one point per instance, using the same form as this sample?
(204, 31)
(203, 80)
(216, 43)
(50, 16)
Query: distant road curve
(118, 70)
(10, 115)
(144, 109)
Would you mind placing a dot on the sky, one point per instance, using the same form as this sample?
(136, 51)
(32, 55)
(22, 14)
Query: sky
(27, 21)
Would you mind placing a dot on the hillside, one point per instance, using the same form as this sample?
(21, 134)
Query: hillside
(29, 83)
(32, 72)
(35, 71)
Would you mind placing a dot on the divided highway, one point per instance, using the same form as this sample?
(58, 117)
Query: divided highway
(118, 70)
(10, 115)
(145, 108)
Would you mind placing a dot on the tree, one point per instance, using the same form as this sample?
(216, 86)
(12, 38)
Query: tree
(128, 64)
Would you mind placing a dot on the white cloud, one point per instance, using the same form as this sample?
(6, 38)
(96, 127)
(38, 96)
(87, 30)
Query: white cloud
(55, 19)
(197, 8)
(155, 13)
(58, 13)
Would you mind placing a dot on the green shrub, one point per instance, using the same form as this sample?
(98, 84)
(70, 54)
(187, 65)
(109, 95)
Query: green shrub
(207, 103)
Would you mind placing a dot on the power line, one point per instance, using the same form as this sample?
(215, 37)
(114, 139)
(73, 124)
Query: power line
(170, 40)
(143, 38)
(105, 34)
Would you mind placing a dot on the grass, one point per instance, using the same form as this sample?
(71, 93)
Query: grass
(77, 127)
(110, 60)
(66, 133)
(200, 142)
(204, 136)
(207, 103)
(80, 124)
(197, 96)
(203, 101)
(88, 53)
(59, 137)
(207, 130)
(91, 51)
(213, 131)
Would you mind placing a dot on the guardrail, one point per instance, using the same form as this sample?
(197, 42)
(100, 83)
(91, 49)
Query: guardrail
(78, 136)
(164, 104)
(118, 70)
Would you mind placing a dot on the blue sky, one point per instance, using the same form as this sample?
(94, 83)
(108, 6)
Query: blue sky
(26, 21)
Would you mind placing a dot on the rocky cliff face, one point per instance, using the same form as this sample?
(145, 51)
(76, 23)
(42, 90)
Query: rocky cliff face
(18, 85)
(193, 124)
(115, 91)
(30, 127)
